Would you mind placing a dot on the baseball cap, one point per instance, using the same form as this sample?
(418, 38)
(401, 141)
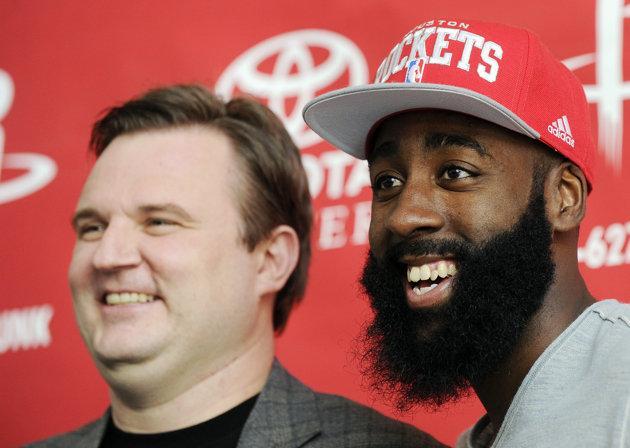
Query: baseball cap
(499, 73)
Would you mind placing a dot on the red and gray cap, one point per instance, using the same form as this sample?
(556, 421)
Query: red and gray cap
(499, 73)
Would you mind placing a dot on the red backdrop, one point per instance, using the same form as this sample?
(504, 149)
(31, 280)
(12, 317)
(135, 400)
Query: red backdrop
(62, 63)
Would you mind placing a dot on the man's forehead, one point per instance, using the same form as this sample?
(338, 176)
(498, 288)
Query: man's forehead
(438, 128)
(179, 151)
(431, 120)
(159, 166)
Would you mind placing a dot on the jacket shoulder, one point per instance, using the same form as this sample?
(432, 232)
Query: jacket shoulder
(361, 426)
(290, 414)
(87, 436)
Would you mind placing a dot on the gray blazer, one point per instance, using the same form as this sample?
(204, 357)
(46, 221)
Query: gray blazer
(288, 414)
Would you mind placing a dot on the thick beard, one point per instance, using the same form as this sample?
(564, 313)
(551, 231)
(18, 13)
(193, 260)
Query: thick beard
(433, 356)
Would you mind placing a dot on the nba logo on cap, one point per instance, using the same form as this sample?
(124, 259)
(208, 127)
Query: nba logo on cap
(415, 70)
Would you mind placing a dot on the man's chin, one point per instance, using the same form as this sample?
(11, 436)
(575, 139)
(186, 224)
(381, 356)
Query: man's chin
(119, 362)
(412, 373)
(114, 354)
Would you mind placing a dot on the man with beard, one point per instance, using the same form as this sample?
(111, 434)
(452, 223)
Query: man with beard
(479, 149)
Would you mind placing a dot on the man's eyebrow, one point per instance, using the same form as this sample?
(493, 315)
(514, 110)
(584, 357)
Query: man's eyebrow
(168, 207)
(386, 150)
(439, 140)
(436, 140)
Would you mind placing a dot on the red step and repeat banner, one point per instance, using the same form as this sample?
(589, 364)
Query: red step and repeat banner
(61, 63)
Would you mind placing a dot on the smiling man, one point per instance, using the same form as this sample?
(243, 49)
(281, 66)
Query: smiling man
(192, 248)
(480, 157)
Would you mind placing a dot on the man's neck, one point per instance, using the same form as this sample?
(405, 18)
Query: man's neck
(217, 392)
(561, 307)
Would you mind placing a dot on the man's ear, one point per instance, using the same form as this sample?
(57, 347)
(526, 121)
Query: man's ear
(279, 255)
(566, 201)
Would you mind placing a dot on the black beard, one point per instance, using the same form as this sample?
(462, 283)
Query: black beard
(434, 356)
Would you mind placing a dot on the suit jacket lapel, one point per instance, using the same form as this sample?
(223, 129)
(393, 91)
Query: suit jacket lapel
(88, 436)
(285, 415)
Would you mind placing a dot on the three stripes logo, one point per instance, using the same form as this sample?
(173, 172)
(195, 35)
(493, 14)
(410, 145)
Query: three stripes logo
(561, 129)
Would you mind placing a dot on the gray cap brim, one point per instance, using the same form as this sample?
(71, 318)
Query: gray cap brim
(345, 117)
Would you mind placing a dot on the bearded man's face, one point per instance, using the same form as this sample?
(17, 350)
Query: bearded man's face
(460, 255)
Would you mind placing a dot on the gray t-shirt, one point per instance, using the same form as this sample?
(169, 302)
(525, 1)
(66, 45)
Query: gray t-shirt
(577, 394)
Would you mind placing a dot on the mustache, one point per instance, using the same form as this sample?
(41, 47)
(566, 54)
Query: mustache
(459, 249)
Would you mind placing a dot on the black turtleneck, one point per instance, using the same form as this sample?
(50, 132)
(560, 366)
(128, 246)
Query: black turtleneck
(221, 431)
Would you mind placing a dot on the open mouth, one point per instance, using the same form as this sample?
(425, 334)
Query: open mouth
(426, 277)
(126, 298)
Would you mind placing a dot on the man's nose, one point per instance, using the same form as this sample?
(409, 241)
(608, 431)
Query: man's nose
(117, 248)
(417, 210)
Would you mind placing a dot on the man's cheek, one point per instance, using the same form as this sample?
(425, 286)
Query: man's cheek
(376, 236)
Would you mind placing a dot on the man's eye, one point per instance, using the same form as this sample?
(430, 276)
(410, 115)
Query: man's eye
(384, 183)
(159, 222)
(90, 231)
(159, 226)
(455, 172)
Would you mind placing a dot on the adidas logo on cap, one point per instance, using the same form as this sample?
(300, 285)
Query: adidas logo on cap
(561, 129)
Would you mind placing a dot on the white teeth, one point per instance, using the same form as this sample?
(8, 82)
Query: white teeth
(425, 272)
(128, 297)
(413, 274)
(421, 290)
(442, 269)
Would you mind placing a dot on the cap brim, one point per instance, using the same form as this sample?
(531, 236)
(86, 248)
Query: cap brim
(345, 117)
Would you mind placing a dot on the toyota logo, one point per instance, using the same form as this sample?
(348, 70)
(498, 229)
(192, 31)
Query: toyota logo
(296, 75)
